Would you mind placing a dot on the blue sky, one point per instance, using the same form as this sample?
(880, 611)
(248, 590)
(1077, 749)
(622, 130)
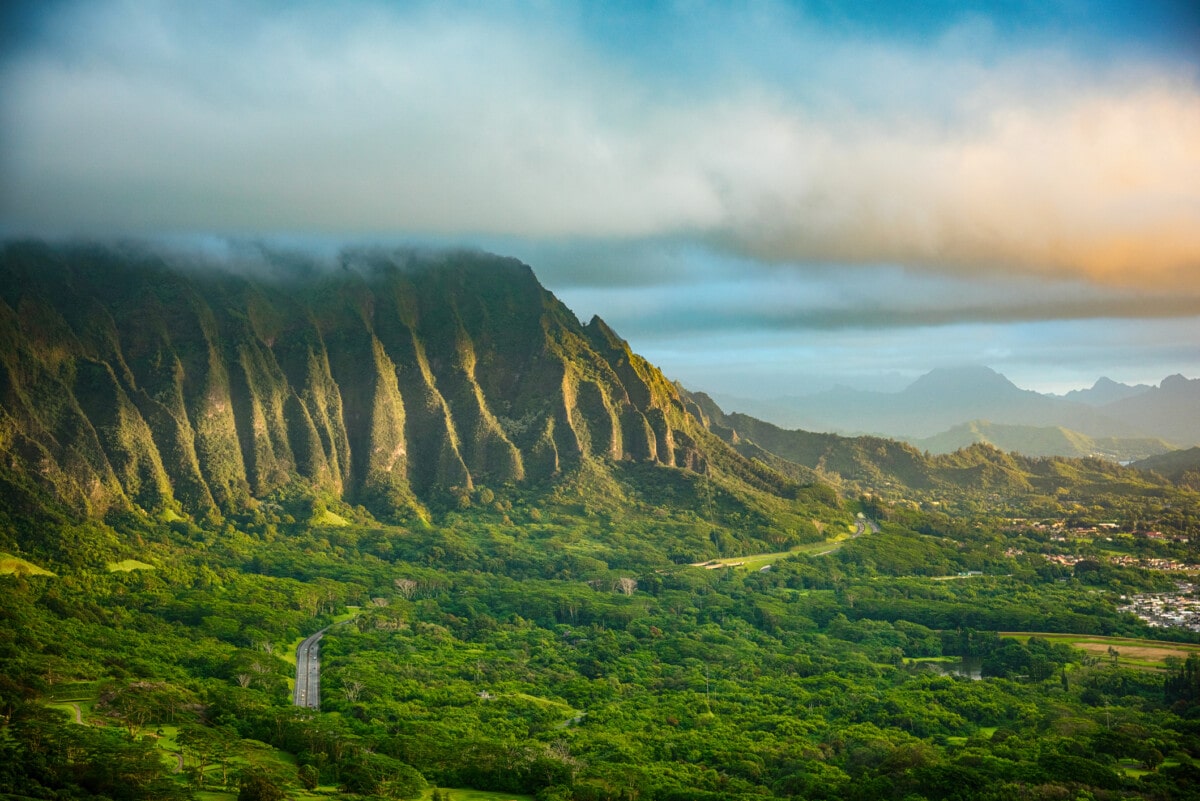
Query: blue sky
(764, 198)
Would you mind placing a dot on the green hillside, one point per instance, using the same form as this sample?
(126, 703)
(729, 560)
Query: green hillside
(1042, 441)
(1182, 467)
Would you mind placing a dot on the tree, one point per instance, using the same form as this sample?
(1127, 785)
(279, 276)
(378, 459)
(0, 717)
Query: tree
(309, 777)
(257, 786)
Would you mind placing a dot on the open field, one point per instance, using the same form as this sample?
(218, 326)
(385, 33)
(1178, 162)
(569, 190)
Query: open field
(761, 560)
(1130, 651)
(127, 565)
(10, 565)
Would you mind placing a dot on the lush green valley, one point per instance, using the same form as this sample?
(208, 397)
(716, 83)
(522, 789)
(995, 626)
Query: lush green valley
(567, 653)
(547, 572)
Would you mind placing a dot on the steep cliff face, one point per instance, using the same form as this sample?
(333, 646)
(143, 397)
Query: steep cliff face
(129, 376)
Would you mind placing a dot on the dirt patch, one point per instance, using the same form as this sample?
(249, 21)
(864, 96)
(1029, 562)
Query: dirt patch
(1145, 653)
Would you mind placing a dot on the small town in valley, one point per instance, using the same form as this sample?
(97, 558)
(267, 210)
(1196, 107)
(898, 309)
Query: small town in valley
(1178, 609)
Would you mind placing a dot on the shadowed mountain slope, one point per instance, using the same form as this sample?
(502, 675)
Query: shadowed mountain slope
(1181, 467)
(130, 375)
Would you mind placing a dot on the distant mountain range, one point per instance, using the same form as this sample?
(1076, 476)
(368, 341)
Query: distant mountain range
(1104, 391)
(876, 464)
(1043, 441)
(950, 408)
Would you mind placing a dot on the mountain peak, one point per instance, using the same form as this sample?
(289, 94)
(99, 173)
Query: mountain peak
(1105, 390)
(966, 380)
(1174, 383)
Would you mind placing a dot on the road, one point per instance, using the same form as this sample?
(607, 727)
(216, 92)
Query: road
(861, 524)
(308, 671)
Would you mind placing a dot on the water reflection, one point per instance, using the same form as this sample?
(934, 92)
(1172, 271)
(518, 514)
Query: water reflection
(970, 667)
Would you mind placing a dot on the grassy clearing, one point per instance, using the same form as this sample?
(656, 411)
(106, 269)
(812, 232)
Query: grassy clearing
(15, 565)
(68, 709)
(478, 795)
(760, 560)
(1132, 652)
(167, 740)
(1132, 768)
(328, 518)
(127, 565)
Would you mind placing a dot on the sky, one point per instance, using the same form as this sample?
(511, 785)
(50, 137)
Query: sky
(764, 198)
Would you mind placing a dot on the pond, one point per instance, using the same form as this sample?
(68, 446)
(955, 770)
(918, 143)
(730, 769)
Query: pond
(970, 667)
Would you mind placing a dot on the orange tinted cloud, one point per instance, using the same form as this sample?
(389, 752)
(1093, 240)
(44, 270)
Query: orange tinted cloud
(1105, 187)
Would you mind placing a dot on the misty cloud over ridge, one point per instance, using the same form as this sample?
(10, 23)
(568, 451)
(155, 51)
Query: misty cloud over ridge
(968, 153)
(750, 193)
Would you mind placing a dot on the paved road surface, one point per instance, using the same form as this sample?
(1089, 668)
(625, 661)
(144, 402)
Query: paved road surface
(308, 671)
(861, 524)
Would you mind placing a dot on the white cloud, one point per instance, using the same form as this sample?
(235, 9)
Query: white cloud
(149, 117)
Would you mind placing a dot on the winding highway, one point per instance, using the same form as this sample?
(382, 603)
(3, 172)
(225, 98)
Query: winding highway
(308, 671)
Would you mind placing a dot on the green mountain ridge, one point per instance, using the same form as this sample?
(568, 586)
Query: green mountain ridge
(130, 376)
(1042, 441)
(872, 463)
(1182, 467)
